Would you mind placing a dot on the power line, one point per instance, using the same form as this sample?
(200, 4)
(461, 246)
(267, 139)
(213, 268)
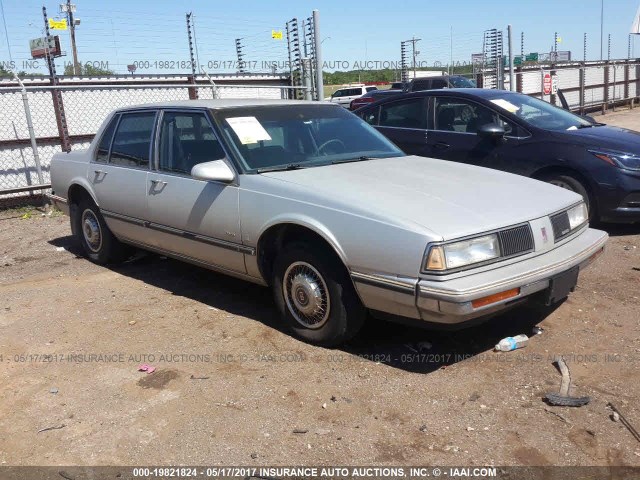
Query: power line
(4, 21)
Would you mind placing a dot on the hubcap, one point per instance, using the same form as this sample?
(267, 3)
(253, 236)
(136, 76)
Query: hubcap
(91, 230)
(561, 184)
(306, 295)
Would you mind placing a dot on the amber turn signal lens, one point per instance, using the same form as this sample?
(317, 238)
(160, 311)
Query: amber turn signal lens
(497, 297)
(436, 259)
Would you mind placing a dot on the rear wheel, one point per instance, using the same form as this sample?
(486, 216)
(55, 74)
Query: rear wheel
(315, 295)
(98, 243)
(569, 182)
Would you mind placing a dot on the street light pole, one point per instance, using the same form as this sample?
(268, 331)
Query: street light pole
(601, 28)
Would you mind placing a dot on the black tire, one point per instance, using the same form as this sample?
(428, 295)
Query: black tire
(98, 243)
(307, 266)
(571, 183)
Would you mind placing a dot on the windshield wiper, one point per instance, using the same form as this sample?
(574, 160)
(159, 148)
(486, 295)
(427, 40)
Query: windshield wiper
(362, 158)
(278, 168)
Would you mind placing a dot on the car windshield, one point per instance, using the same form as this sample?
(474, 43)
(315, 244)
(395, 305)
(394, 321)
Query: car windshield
(540, 113)
(461, 82)
(300, 136)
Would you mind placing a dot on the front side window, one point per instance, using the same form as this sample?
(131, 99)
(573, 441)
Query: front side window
(464, 116)
(102, 152)
(411, 113)
(338, 93)
(186, 139)
(460, 115)
(132, 141)
(299, 136)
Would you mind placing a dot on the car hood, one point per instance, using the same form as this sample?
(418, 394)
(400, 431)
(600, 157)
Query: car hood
(605, 137)
(447, 199)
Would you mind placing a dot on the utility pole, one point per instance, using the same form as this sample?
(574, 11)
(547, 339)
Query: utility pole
(601, 28)
(522, 45)
(609, 48)
(450, 50)
(511, 84)
(413, 41)
(317, 46)
(58, 105)
(69, 8)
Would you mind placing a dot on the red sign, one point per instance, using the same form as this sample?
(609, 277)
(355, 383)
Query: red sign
(546, 84)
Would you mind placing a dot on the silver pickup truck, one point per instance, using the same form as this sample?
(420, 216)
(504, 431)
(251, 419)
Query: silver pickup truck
(307, 198)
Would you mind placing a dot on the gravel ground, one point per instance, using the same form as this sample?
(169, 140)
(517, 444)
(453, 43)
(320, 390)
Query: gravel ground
(232, 388)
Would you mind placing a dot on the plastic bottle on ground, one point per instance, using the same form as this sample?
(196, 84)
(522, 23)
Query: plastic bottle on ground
(511, 343)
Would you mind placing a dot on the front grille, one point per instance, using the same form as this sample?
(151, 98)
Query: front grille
(561, 226)
(516, 240)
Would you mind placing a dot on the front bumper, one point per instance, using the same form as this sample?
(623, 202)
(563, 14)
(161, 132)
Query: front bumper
(618, 199)
(450, 301)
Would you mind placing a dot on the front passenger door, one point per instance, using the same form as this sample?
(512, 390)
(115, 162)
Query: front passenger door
(455, 133)
(193, 218)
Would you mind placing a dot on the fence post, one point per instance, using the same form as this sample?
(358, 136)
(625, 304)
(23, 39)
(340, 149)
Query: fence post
(583, 72)
(626, 79)
(519, 81)
(193, 91)
(552, 98)
(32, 135)
(605, 97)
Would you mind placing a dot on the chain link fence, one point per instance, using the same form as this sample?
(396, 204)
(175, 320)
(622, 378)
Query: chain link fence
(85, 108)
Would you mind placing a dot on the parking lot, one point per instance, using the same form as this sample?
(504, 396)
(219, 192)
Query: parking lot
(231, 387)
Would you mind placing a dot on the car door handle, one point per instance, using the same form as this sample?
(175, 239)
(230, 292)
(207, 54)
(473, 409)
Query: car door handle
(99, 172)
(441, 145)
(156, 182)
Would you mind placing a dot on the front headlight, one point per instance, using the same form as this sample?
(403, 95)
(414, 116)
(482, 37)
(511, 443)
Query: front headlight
(577, 215)
(618, 159)
(463, 253)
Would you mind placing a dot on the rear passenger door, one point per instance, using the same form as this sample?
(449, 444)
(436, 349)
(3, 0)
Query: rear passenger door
(404, 122)
(189, 217)
(118, 172)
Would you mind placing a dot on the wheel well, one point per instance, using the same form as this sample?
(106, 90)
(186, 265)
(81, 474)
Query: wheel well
(77, 193)
(557, 170)
(275, 238)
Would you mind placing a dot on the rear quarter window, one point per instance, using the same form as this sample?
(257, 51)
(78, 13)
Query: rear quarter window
(102, 152)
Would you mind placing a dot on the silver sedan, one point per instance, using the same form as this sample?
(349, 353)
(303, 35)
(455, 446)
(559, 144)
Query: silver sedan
(308, 199)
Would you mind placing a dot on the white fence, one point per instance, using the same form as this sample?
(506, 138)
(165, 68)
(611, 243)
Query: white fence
(585, 85)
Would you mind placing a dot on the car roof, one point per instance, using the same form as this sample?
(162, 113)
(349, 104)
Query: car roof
(465, 92)
(222, 103)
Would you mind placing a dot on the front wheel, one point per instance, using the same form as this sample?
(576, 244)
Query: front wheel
(315, 295)
(98, 243)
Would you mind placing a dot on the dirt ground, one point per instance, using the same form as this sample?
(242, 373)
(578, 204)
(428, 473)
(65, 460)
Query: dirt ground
(232, 388)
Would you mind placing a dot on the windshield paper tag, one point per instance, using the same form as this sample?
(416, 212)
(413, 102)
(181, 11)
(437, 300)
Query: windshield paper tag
(508, 106)
(248, 129)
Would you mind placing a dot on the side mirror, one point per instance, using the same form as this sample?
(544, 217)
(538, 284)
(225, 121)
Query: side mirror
(491, 130)
(215, 171)
(589, 119)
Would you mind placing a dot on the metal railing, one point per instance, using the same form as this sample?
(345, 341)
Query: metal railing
(587, 86)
